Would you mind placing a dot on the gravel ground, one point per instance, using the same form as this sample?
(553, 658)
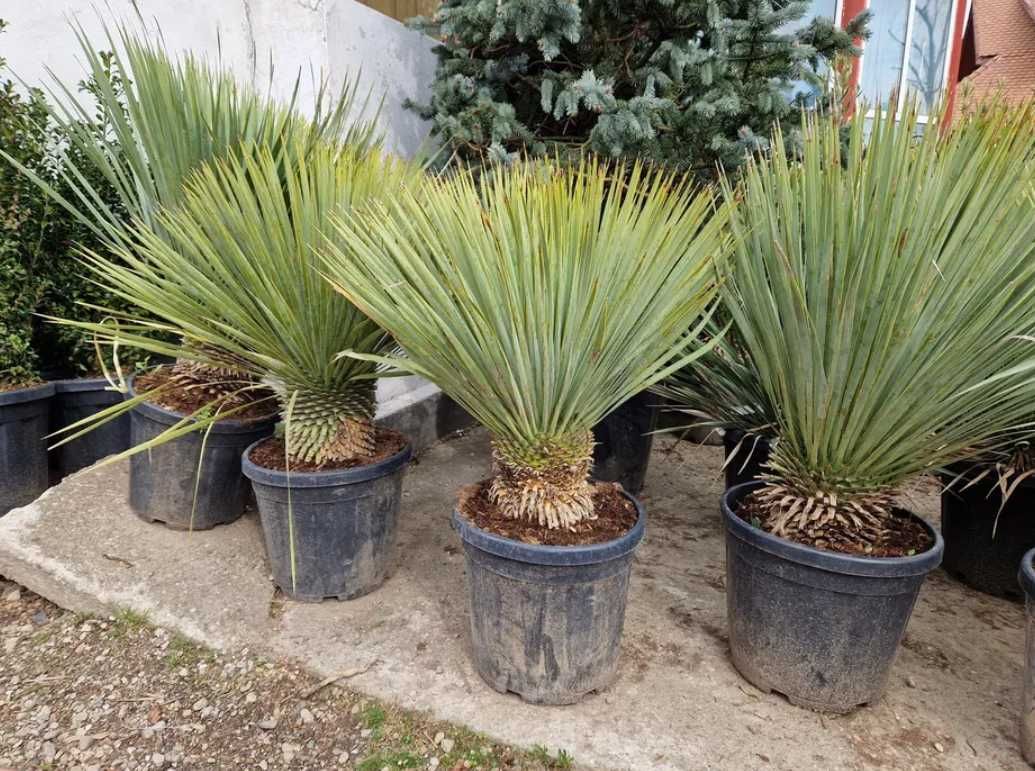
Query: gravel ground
(119, 693)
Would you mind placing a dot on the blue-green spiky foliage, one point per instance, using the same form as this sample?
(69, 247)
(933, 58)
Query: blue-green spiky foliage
(689, 83)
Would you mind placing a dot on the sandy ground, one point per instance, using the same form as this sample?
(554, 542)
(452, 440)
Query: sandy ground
(952, 702)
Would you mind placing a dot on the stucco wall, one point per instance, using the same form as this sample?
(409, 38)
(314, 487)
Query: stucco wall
(330, 37)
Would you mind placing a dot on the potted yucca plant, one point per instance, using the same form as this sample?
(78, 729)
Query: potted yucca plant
(166, 117)
(230, 277)
(882, 284)
(988, 500)
(540, 302)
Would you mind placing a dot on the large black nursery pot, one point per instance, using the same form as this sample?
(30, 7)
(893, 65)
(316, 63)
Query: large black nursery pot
(1027, 582)
(750, 453)
(546, 621)
(983, 545)
(336, 527)
(623, 442)
(24, 423)
(821, 628)
(193, 482)
(75, 400)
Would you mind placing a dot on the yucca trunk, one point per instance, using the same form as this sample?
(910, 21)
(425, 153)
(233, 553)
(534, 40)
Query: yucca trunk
(327, 427)
(224, 385)
(546, 482)
(816, 514)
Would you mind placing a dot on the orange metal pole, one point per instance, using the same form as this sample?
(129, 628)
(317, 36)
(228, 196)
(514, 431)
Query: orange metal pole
(849, 10)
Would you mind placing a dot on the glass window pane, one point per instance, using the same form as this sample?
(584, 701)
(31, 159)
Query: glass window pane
(884, 51)
(929, 48)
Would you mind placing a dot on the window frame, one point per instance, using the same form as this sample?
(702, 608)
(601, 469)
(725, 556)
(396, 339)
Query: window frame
(952, 35)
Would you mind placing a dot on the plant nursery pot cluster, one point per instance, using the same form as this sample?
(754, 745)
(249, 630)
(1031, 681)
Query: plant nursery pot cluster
(28, 415)
(984, 539)
(328, 534)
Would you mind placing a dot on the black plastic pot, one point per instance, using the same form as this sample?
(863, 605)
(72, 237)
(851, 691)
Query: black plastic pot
(546, 621)
(1027, 582)
(75, 400)
(752, 453)
(974, 555)
(623, 442)
(821, 628)
(179, 484)
(342, 525)
(24, 470)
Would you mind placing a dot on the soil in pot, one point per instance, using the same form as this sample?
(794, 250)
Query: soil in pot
(984, 540)
(329, 532)
(745, 455)
(818, 626)
(76, 400)
(547, 608)
(24, 424)
(1027, 583)
(193, 482)
(623, 442)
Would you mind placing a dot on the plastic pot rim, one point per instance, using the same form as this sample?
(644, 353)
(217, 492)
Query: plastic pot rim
(171, 417)
(833, 562)
(314, 479)
(79, 384)
(556, 556)
(30, 394)
(1026, 576)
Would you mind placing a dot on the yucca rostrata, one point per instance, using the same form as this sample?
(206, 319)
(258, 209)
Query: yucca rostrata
(232, 271)
(883, 288)
(539, 302)
(165, 117)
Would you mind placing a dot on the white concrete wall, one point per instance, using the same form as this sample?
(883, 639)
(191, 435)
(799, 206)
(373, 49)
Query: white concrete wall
(317, 37)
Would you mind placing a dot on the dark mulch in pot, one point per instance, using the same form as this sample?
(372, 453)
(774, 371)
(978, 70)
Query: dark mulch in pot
(271, 454)
(903, 536)
(614, 516)
(187, 401)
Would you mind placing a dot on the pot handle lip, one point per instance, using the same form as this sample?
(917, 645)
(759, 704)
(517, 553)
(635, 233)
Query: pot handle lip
(834, 562)
(27, 394)
(333, 478)
(1026, 575)
(556, 556)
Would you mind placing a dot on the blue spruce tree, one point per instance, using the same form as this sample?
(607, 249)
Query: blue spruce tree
(687, 83)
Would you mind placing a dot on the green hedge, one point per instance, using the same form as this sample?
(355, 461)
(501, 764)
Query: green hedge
(39, 272)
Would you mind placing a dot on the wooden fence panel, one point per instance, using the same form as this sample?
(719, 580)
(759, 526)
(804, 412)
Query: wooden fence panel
(403, 9)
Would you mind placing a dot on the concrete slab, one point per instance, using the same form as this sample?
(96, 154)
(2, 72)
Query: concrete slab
(678, 703)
